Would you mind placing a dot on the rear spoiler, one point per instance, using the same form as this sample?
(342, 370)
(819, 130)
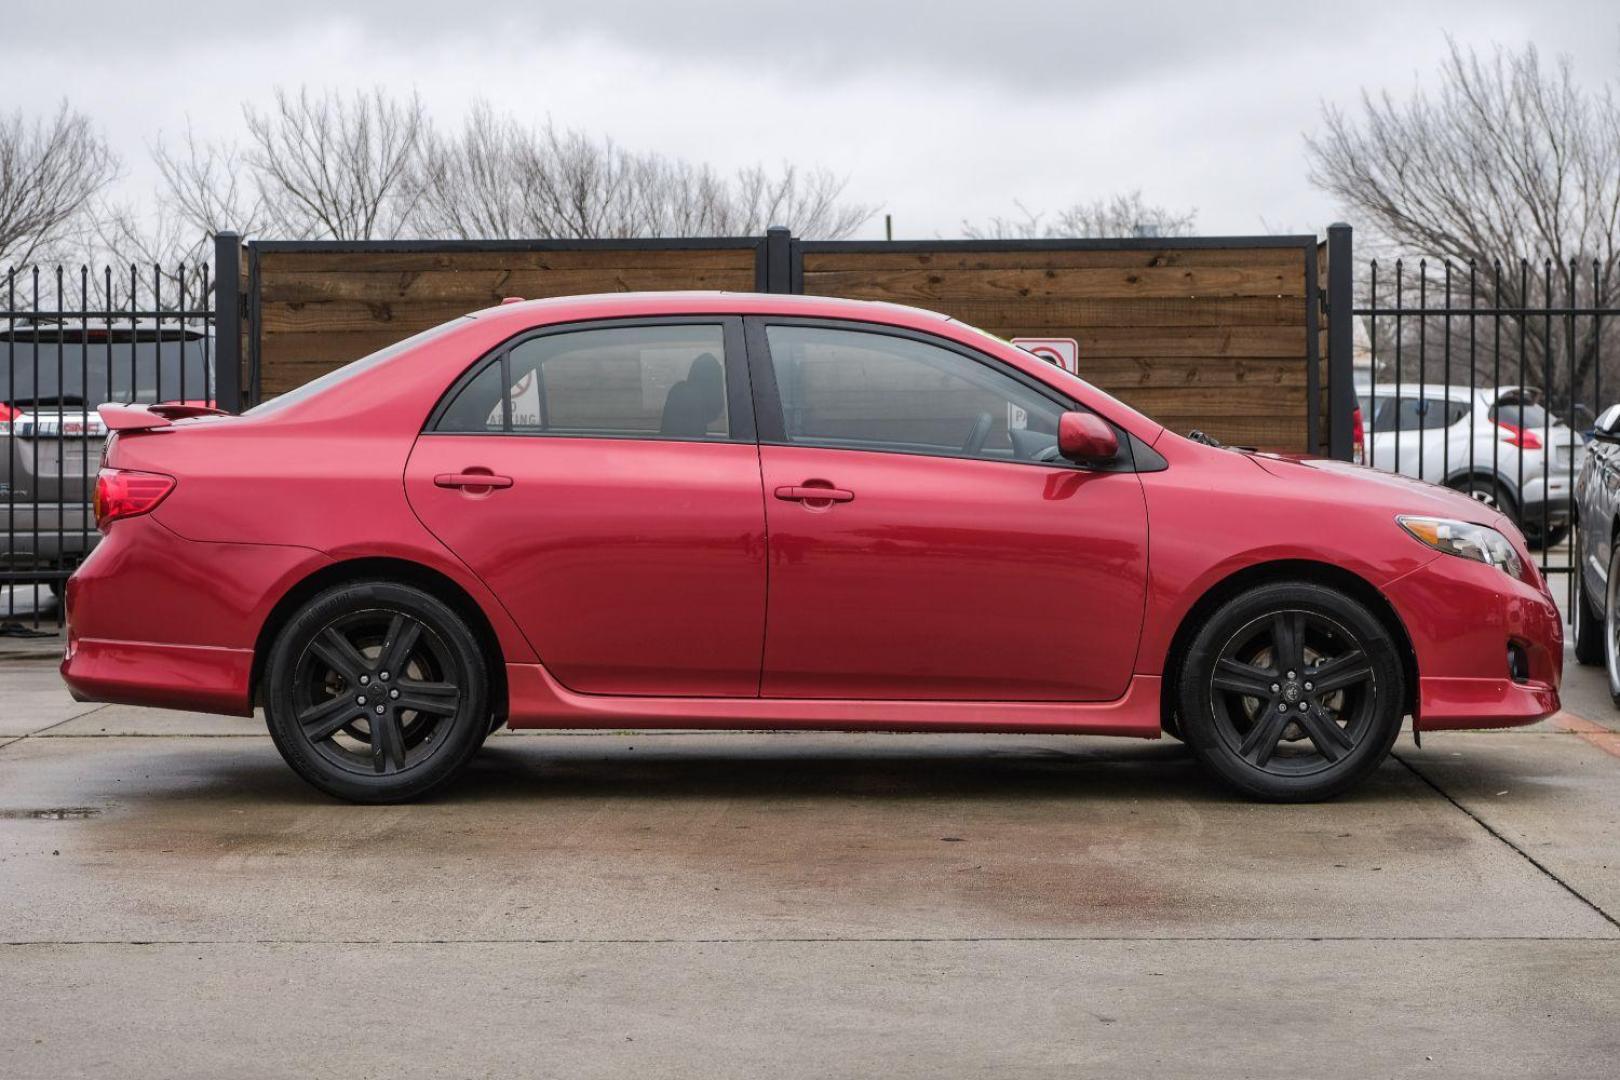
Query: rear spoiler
(145, 417)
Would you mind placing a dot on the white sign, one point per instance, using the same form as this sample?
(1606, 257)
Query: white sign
(1063, 352)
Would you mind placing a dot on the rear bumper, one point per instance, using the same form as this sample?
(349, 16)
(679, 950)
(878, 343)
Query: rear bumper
(156, 619)
(197, 677)
(44, 536)
(1555, 512)
(1463, 617)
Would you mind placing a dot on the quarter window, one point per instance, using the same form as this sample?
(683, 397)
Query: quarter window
(848, 388)
(646, 381)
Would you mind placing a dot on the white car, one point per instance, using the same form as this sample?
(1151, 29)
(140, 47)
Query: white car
(1498, 445)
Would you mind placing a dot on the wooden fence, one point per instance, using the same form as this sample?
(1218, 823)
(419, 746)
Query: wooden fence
(1222, 335)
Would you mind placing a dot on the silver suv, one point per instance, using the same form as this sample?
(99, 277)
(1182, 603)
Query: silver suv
(52, 377)
(1499, 445)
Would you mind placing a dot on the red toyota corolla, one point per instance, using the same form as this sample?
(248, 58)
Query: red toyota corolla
(737, 511)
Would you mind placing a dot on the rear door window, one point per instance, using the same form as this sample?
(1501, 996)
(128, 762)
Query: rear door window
(650, 382)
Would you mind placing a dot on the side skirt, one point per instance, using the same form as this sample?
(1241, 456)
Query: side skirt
(539, 701)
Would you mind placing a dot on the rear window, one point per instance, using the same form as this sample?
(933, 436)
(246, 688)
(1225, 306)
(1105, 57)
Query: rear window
(61, 367)
(1520, 415)
(350, 370)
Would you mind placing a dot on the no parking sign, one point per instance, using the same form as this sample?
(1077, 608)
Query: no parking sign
(1063, 352)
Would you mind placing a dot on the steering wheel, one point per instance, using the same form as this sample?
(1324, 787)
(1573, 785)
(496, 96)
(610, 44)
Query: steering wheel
(981, 431)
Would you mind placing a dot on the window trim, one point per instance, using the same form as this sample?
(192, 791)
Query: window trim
(739, 397)
(773, 428)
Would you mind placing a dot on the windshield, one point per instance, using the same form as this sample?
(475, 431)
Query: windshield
(350, 370)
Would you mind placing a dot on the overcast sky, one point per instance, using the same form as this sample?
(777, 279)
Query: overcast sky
(936, 112)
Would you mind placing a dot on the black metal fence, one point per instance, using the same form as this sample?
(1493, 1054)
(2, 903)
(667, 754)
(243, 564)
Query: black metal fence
(72, 339)
(1487, 379)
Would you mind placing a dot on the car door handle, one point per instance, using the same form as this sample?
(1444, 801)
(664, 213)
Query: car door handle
(813, 492)
(471, 480)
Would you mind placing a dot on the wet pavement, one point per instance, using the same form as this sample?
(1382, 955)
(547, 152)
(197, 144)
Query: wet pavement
(173, 902)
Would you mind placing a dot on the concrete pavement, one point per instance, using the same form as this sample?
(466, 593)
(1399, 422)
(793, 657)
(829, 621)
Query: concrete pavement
(174, 902)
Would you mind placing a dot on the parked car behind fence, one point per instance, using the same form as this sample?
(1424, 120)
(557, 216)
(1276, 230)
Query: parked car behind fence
(53, 375)
(1497, 445)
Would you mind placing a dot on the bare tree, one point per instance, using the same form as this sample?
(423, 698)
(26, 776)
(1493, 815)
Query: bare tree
(1117, 216)
(1506, 161)
(328, 167)
(50, 170)
(498, 178)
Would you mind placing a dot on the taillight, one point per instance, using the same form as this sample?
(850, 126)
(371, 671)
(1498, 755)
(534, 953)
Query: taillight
(1523, 438)
(7, 413)
(1358, 437)
(122, 493)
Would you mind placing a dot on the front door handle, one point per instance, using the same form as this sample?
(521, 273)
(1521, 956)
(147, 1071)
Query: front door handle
(471, 480)
(814, 491)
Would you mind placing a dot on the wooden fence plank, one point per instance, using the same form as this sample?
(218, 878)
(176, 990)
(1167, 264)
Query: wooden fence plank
(1283, 258)
(488, 286)
(383, 262)
(926, 286)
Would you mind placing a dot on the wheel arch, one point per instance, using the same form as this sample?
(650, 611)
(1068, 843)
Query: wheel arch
(1482, 471)
(423, 577)
(1266, 573)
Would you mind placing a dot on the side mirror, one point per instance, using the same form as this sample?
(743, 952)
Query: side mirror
(1086, 439)
(1607, 425)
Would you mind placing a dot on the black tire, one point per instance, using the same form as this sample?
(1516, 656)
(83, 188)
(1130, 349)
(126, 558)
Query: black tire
(1322, 650)
(1538, 542)
(1493, 494)
(404, 647)
(1586, 629)
(1611, 626)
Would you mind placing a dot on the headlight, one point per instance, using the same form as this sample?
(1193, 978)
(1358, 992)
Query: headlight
(1465, 540)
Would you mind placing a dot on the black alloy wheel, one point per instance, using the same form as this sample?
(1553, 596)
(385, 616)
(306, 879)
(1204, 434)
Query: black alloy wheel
(1291, 692)
(376, 692)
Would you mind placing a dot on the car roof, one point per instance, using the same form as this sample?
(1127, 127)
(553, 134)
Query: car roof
(1483, 394)
(559, 309)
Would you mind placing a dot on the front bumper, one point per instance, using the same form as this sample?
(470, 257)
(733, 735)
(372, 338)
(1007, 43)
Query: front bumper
(1463, 618)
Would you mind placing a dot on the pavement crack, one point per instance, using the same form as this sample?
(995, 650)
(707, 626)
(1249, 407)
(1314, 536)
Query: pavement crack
(52, 727)
(1546, 870)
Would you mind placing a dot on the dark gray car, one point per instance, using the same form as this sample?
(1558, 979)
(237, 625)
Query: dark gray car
(1595, 634)
(52, 377)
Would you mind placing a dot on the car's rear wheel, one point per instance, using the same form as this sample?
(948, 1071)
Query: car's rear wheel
(1586, 625)
(1291, 692)
(376, 692)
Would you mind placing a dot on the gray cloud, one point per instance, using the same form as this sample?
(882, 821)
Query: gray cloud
(938, 111)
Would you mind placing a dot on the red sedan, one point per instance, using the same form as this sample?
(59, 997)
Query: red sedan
(734, 511)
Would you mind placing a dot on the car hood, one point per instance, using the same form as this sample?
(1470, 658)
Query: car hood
(1371, 487)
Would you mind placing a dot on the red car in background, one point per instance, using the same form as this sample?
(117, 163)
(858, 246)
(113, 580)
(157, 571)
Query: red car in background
(739, 511)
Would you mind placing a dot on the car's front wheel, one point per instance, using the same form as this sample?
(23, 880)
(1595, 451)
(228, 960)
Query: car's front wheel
(376, 692)
(1291, 692)
(1611, 625)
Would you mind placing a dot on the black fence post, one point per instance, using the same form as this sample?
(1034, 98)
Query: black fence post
(778, 260)
(228, 321)
(1341, 341)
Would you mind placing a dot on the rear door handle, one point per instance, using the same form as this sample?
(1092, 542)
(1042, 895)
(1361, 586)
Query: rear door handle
(813, 493)
(471, 480)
